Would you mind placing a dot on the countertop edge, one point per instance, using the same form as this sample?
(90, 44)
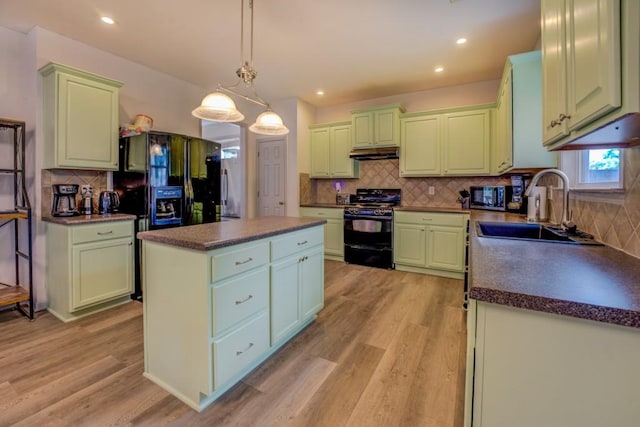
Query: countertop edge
(597, 313)
(88, 219)
(400, 208)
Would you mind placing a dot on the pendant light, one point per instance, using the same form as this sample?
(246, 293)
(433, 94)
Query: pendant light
(218, 107)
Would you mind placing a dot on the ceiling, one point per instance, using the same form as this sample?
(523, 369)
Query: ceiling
(352, 49)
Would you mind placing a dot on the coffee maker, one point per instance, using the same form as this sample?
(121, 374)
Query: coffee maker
(518, 203)
(64, 200)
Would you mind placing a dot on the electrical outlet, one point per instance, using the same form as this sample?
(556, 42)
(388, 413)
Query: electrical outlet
(432, 190)
(549, 192)
(85, 188)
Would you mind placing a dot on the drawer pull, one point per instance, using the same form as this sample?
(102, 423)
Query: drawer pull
(302, 243)
(238, 353)
(105, 233)
(245, 261)
(238, 302)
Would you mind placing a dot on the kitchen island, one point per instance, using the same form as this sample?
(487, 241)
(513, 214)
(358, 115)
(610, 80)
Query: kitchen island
(220, 298)
(553, 333)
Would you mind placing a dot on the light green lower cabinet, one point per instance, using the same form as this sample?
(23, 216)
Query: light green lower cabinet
(531, 369)
(89, 267)
(410, 246)
(333, 230)
(212, 317)
(432, 243)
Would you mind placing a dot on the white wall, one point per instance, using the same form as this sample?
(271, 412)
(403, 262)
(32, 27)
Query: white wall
(454, 96)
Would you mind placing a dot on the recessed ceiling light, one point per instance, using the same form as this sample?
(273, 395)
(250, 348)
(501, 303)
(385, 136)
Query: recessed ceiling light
(461, 40)
(107, 20)
(319, 92)
(439, 69)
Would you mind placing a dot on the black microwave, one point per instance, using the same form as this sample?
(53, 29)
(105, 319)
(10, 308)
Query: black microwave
(490, 197)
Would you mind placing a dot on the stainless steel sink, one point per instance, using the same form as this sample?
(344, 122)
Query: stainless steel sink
(532, 232)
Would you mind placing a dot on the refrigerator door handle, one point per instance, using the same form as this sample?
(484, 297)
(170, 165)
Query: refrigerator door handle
(226, 188)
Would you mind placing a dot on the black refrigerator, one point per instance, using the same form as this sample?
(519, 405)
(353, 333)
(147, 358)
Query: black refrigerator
(168, 180)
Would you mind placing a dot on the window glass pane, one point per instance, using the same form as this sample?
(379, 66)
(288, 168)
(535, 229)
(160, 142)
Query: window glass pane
(600, 166)
(607, 159)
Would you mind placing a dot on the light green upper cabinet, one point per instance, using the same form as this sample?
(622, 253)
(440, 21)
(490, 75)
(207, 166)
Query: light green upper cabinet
(590, 57)
(420, 145)
(466, 142)
(80, 119)
(518, 135)
(330, 148)
(502, 151)
(376, 127)
(446, 142)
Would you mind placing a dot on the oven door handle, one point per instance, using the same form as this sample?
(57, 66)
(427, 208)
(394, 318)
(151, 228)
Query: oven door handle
(373, 217)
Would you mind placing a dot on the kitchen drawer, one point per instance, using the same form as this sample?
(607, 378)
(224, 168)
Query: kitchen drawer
(237, 261)
(236, 351)
(239, 298)
(335, 213)
(101, 231)
(430, 218)
(292, 243)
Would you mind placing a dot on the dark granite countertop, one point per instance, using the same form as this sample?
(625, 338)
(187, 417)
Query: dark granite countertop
(205, 237)
(590, 282)
(396, 208)
(322, 205)
(430, 209)
(88, 219)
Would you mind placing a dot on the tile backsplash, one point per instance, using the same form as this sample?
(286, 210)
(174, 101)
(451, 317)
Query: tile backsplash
(385, 174)
(96, 179)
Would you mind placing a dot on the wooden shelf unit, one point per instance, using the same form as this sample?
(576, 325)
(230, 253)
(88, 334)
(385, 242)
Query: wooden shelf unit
(19, 293)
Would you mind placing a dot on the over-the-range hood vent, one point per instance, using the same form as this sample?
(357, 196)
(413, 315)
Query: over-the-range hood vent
(375, 153)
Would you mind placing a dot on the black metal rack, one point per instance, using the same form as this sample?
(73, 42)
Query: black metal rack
(20, 216)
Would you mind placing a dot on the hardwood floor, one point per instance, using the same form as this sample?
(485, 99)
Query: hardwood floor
(387, 350)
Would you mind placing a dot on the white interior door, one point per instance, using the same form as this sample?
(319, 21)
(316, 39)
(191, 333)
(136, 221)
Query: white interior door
(271, 177)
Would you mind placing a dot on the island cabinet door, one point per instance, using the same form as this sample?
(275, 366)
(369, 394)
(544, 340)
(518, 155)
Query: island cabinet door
(285, 313)
(312, 282)
(234, 352)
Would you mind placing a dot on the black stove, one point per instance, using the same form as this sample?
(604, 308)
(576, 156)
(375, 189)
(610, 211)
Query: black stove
(368, 227)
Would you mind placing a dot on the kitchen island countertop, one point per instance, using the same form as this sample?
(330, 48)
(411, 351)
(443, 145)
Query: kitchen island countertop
(205, 237)
(591, 282)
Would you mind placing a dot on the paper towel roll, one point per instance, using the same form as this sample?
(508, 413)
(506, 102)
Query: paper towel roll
(537, 205)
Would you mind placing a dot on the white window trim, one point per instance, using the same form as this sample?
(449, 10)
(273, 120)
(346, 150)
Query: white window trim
(570, 163)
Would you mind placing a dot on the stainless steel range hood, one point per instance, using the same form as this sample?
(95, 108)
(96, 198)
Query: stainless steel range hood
(375, 153)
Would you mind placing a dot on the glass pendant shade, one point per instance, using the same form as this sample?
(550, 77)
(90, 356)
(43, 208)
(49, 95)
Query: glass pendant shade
(269, 123)
(218, 107)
